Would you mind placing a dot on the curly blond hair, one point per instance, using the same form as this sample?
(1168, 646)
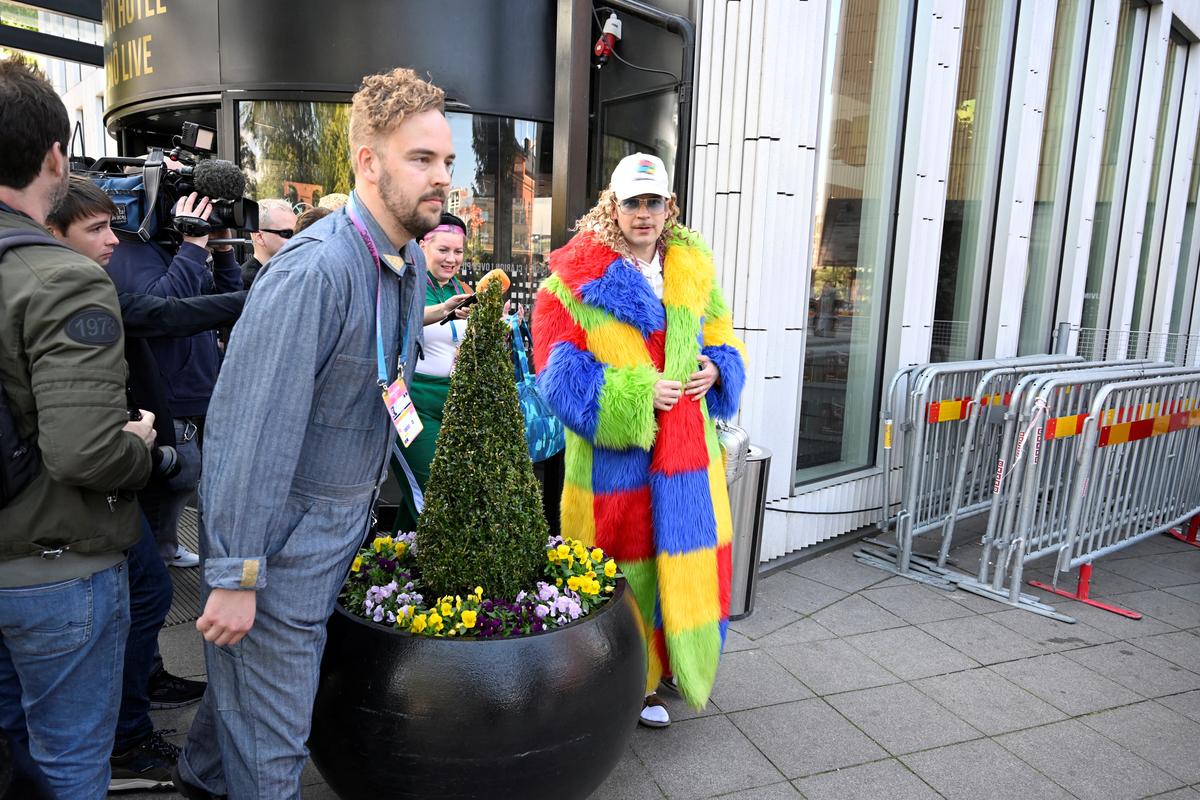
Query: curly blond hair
(601, 221)
(385, 100)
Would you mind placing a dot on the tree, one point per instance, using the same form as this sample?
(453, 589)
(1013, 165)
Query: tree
(483, 523)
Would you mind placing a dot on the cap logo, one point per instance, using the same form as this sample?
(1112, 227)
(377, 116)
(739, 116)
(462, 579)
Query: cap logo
(645, 167)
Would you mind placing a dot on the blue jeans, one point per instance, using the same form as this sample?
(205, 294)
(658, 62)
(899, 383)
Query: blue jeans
(248, 737)
(61, 651)
(150, 592)
(163, 502)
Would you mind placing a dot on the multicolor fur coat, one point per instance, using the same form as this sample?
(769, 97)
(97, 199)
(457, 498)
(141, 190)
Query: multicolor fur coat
(648, 487)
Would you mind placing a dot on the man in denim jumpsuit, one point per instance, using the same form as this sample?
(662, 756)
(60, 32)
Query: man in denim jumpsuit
(297, 440)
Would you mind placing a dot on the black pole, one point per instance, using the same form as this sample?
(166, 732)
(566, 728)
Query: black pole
(571, 88)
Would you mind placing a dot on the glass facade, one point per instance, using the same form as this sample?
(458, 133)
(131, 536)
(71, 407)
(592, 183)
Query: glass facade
(863, 103)
(1054, 175)
(1114, 163)
(974, 172)
(1185, 274)
(1160, 182)
(298, 150)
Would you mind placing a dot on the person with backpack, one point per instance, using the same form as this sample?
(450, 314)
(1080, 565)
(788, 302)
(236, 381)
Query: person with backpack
(65, 525)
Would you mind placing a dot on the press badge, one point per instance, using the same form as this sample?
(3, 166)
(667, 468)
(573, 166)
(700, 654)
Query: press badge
(402, 411)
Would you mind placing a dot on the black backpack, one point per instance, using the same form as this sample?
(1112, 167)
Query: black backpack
(20, 461)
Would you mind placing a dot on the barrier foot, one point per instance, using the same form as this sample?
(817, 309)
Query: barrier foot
(1190, 536)
(920, 569)
(1081, 593)
(1027, 602)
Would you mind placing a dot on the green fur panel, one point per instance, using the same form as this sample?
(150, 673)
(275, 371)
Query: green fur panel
(682, 346)
(695, 654)
(626, 416)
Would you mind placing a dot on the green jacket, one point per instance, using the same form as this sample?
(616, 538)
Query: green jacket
(62, 364)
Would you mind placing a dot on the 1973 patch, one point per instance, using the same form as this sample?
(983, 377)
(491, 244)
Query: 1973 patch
(93, 326)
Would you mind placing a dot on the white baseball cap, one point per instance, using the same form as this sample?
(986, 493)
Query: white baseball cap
(640, 174)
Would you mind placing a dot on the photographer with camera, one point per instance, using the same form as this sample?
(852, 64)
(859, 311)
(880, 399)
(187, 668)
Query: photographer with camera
(67, 509)
(177, 265)
(142, 758)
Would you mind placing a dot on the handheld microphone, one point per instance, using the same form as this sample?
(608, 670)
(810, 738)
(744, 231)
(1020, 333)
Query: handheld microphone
(495, 275)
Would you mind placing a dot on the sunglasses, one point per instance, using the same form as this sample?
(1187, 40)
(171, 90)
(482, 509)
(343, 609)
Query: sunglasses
(655, 205)
(282, 233)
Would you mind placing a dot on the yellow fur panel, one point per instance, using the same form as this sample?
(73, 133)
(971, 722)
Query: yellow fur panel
(687, 586)
(720, 331)
(687, 279)
(618, 344)
(720, 496)
(576, 514)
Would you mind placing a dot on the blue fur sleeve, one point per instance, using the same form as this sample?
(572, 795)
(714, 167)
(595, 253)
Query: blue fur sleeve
(723, 398)
(570, 383)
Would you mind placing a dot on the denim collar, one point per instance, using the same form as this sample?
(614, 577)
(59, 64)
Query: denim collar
(382, 243)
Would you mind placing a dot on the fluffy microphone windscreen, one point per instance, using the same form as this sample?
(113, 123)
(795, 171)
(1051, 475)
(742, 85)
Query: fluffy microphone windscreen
(495, 275)
(219, 179)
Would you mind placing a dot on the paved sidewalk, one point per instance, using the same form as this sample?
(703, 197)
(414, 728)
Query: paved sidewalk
(846, 683)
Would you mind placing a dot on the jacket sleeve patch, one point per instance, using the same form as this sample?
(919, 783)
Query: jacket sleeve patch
(93, 326)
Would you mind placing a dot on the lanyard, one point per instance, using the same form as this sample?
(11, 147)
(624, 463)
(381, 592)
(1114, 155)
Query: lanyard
(380, 358)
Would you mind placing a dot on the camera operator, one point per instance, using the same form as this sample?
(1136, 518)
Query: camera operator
(64, 593)
(142, 758)
(276, 224)
(188, 365)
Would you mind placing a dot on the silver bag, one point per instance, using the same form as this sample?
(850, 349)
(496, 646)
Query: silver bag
(735, 445)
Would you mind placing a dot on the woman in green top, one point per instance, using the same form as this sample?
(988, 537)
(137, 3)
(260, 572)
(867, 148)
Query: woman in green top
(444, 294)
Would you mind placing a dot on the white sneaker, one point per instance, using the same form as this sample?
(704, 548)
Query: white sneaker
(183, 558)
(654, 713)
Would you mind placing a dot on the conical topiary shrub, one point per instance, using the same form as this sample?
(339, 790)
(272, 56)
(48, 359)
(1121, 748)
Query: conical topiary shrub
(483, 523)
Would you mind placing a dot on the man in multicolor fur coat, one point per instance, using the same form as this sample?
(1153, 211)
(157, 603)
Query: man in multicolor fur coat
(635, 353)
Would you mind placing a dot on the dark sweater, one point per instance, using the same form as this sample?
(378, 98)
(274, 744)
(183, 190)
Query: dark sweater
(188, 365)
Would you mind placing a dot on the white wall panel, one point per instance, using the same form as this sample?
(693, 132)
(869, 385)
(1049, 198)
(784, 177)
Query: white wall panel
(1085, 182)
(1018, 183)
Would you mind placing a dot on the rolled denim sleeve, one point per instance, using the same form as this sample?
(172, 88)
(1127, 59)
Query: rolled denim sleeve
(258, 417)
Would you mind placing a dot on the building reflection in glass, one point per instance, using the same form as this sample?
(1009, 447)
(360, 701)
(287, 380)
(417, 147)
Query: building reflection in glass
(299, 151)
(858, 161)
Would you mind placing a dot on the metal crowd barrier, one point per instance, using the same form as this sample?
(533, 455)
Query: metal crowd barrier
(1138, 474)
(1038, 466)
(932, 402)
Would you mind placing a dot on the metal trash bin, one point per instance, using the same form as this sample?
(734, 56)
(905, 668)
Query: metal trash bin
(747, 502)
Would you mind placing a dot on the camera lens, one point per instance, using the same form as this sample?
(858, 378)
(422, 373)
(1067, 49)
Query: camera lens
(166, 461)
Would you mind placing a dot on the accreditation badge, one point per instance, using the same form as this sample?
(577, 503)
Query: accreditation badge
(402, 411)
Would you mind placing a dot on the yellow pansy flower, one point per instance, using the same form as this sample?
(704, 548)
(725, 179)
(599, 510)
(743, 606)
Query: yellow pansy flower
(418, 623)
(610, 568)
(379, 542)
(573, 582)
(357, 565)
(479, 591)
(563, 551)
(558, 581)
(597, 555)
(447, 610)
(468, 619)
(435, 622)
(401, 548)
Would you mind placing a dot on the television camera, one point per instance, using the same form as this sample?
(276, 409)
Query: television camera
(147, 190)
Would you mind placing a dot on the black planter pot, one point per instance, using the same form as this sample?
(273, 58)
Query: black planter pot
(547, 715)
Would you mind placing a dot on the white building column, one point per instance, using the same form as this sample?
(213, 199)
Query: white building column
(1089, 154)
(1137, 190)
(1018, 183)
